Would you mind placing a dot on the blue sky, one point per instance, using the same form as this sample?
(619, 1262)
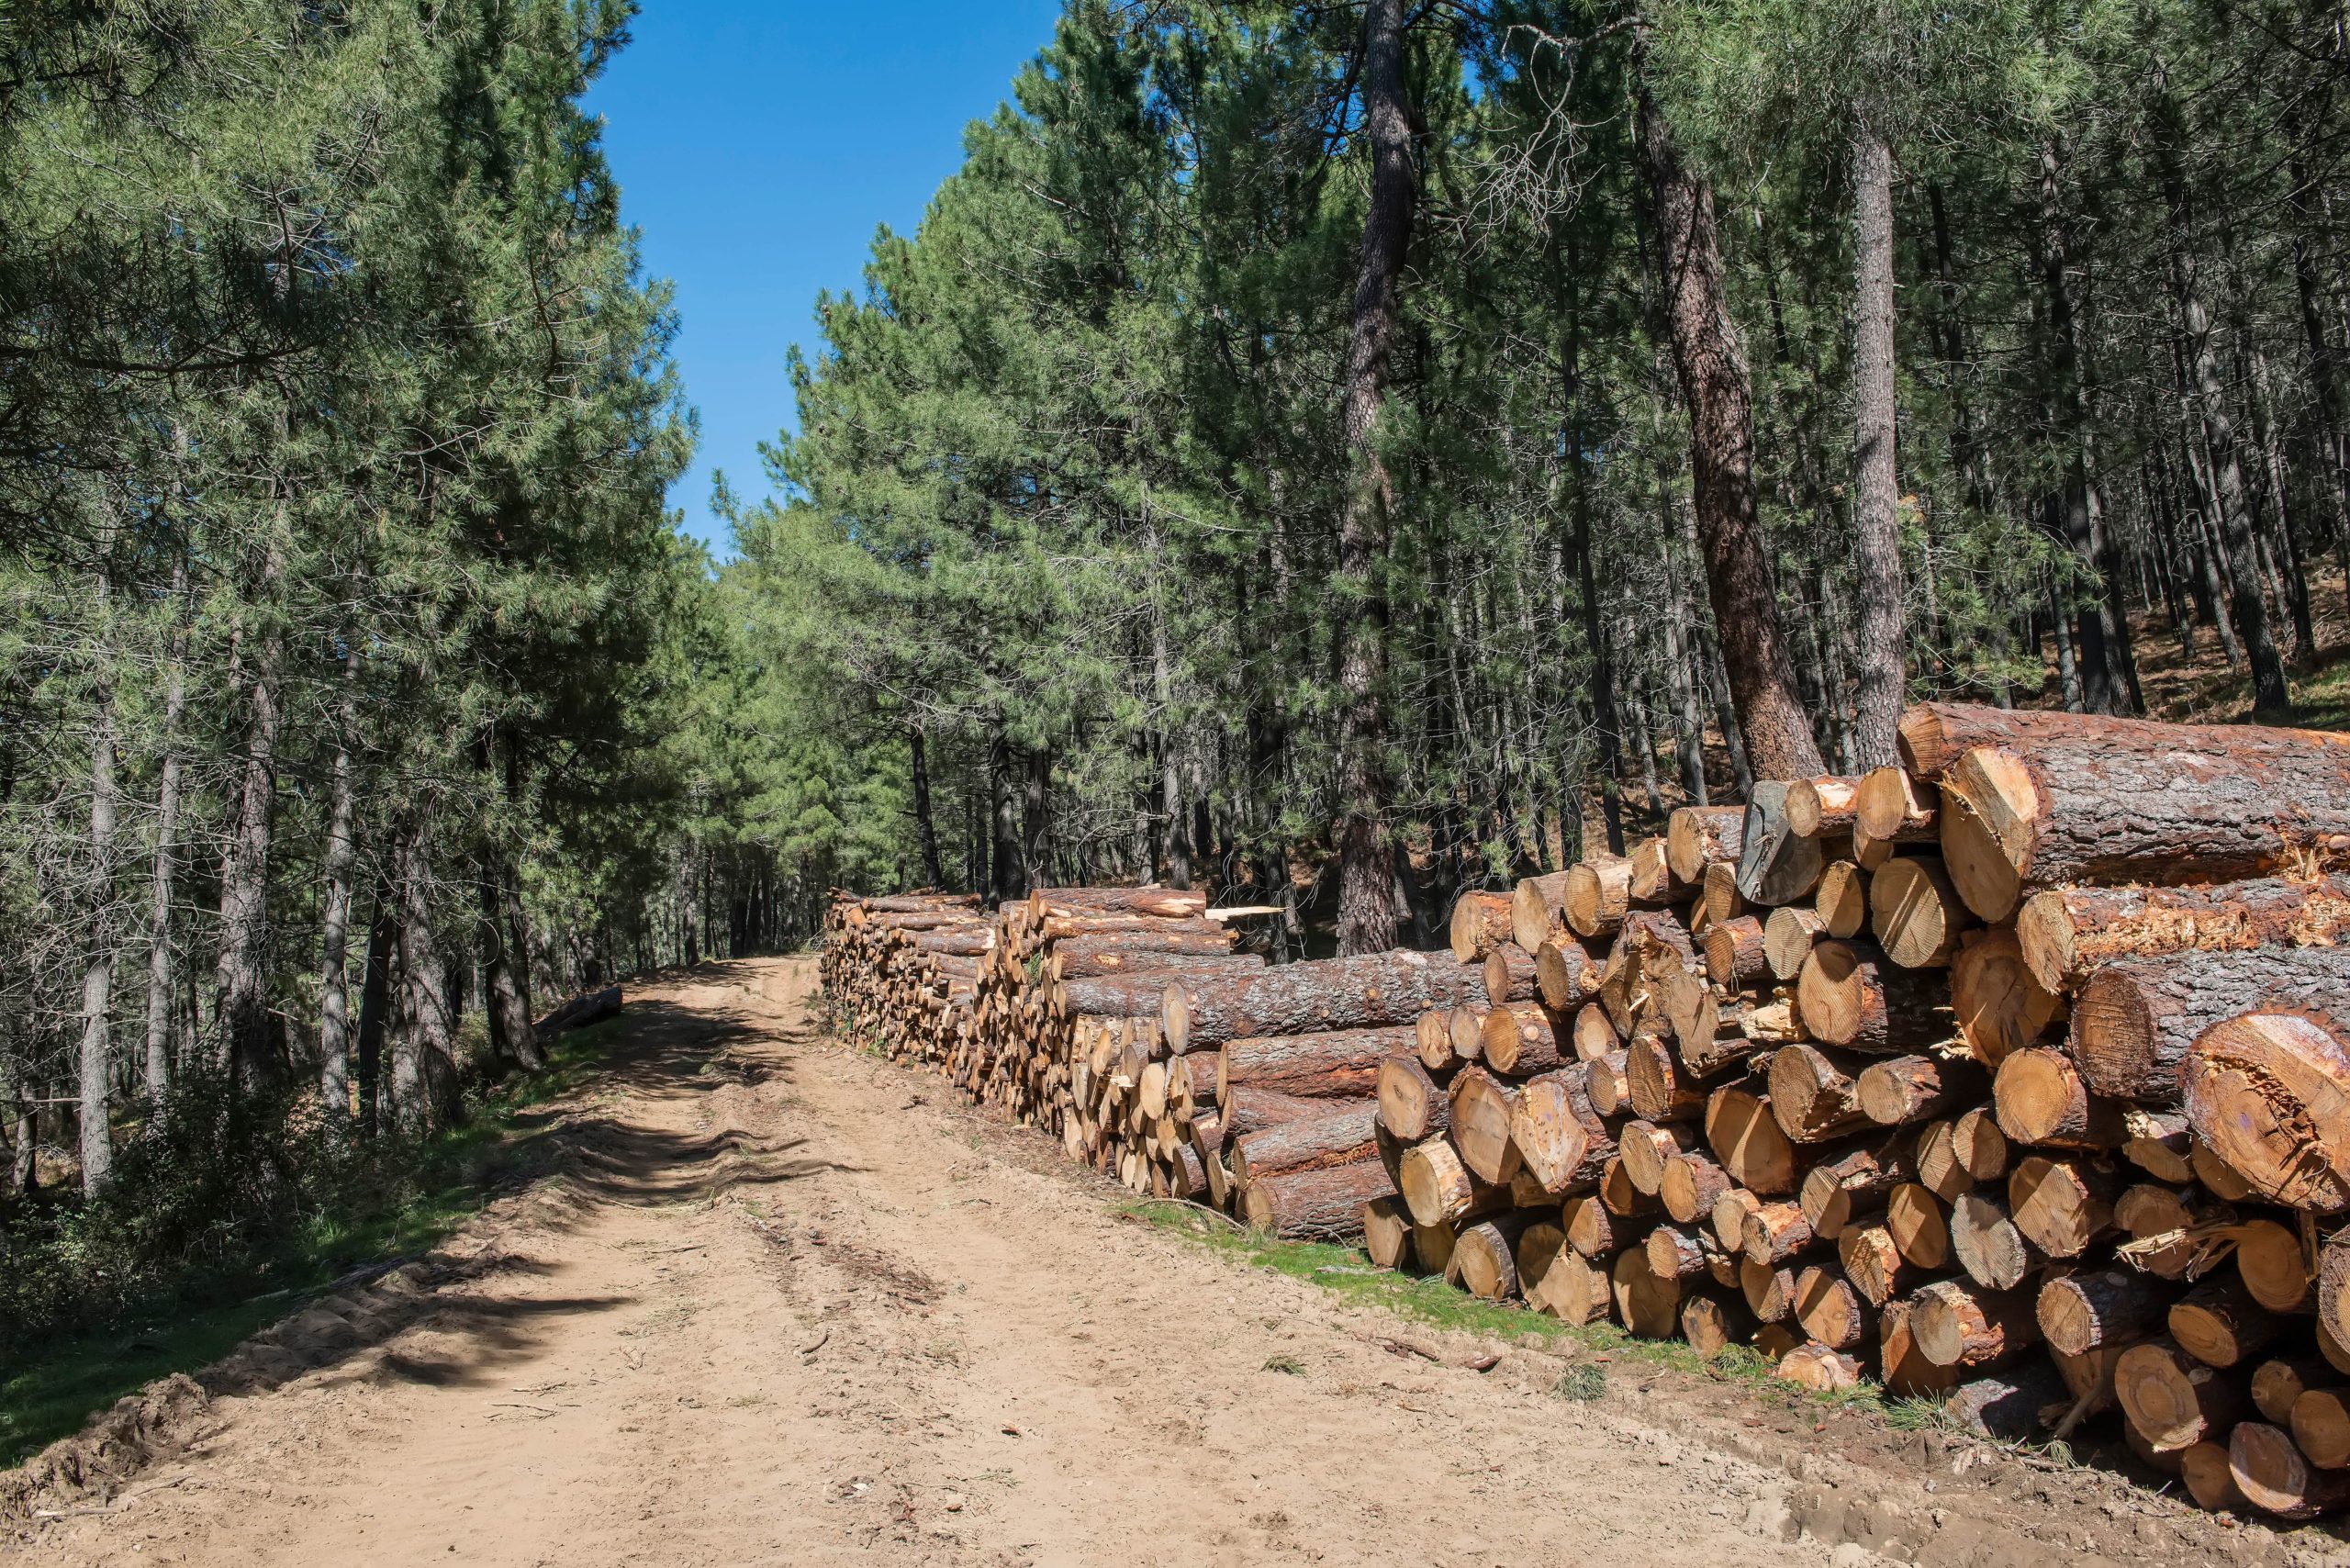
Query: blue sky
(758, 145)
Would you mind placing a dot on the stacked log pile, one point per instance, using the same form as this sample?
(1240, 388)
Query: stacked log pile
(1122, 1021)
(2016, 1075)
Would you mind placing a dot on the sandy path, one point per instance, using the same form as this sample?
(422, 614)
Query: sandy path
(791, 1305)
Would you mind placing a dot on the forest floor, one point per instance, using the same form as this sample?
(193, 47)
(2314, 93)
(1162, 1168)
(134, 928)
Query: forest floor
(772, 1299)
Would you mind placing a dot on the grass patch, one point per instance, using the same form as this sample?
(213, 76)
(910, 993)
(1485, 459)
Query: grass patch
(53, 1387)
(1347, 1272)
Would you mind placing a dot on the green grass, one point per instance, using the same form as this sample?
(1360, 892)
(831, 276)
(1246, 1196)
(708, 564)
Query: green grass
(53, 1390)
(1348, 1273)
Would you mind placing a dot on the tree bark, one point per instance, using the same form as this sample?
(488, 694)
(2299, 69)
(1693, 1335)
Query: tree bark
(97, 976)
(334, 934)
(934, 873)
(159, 953)
(1876, 524)
(1711, 366)
(1368, 908)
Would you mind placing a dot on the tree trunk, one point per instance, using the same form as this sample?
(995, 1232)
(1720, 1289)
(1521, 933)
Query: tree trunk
(334, 935)
(160, 954)
(934, 874)
(1876, 524)
(375, 1002)
(424, 1069)
(246, 1033)
(1712, 370)
(1368, 910)
(97, 978)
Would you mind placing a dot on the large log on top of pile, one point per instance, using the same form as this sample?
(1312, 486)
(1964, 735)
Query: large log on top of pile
(2099, 799)
(1341, 1064)
(2067, 934)
(1167, 903)
(2133, 1022)
(1377, 989)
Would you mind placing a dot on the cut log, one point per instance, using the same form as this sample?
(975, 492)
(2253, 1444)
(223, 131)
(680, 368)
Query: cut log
(2041, 1097)
(1646, 1149)
(1906, 1372)
(1891, 809)
(1661, 1091)
(1999, 1007)
(2068, 934)
(1341, 1137)
(1537, 910)
(1815, 1095)
(1919, 1225)
(1652, 879)
(1776, 864)
(1842, 901)
(1957, 1325)
(1309, 998)
(1432, 1035)
(2219, 1325)
(1831, 1311)
(2211, 1483)
(1712, 1322)
(1854, 1185)
(1595, 1034)
(1609, 1085)
(1465, 1029)
(1481, 1106)
(1072, 966)
(1433, 1245)
(1561, 1139)
(2274, 1476)
(1387, 1233)
(1916, 914)
(2277, 1384)
(2269, 1094)
(1822, 805)
(1698, 838)
(1749, 1142)
(1564, 974)
(1676, 1253)
(1509, 974)
(2273, 1265)
(1986, 1243)
(2142, 802)
(1411, 1104)
(1599, 894)
(1728, 1221)
(2079, 1312)
(1323, 1203)
(1341, 1064)
(1440, 1190)
(2156, 1219)
(1595, 1232)
(1539, 1243)
(1577, 1292)
(1520, 1038)
(1788, 936)
(2320, 1420)
(1775, 1233)
(2061, 1205)
(1850, 995)
(2160, 1145)
(1818, 1368)
(1693, 1184)
(1720, 898)
(1251, 1109)
(2173, 1399)
(1735, 957)
(2133, 1022)
(1769, 1290)
(1623, 1199)
(1873, 1262)
(1485, 1257)
(1481, 923)
(1647, 1304)
(1899, 1090)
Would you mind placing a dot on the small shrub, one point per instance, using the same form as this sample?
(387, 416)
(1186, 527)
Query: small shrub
(1583, 1383)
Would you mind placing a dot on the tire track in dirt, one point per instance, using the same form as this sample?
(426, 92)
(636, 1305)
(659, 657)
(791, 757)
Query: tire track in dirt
(780, 1301)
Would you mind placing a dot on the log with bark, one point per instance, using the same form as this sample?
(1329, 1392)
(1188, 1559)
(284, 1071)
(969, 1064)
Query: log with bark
(1379, 988)
(2269, 1094)
(2133, 1020)
(1337, 1064)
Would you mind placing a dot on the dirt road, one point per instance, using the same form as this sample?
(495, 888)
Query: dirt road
(783, 1303)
